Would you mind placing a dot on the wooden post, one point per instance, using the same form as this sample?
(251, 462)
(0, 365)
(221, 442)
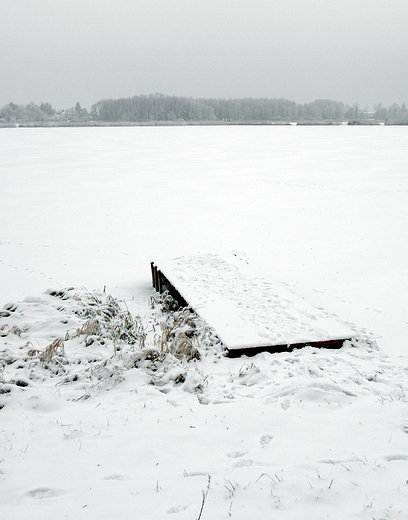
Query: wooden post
(159, 282)
(153, 276)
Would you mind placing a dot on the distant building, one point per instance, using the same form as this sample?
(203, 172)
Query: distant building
(369, 114)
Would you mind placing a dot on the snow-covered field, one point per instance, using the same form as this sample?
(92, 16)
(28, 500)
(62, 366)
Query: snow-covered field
(91, 428)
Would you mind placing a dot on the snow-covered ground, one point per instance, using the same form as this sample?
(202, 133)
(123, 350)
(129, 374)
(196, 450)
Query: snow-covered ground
(90, 430)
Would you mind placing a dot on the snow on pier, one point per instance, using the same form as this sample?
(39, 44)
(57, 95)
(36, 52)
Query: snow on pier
(249, 314)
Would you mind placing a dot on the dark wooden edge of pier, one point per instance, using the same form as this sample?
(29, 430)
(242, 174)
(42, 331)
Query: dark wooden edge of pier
(274, 349)
(161, 284)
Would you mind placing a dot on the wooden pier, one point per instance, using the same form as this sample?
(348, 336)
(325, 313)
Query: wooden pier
(250, 315)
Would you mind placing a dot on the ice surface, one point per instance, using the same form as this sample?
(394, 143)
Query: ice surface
(322, 210)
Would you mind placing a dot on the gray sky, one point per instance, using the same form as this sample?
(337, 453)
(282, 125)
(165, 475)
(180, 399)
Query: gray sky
(64, 51)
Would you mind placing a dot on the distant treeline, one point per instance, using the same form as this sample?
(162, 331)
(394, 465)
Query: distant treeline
(159, 107)
(33, 113)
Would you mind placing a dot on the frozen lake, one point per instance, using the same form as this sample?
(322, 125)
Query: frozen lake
(311, 434)
(322, 210)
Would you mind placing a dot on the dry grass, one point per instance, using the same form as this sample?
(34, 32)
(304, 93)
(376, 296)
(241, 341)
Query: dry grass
(163, 345)
(55, 349)
(179, 335)
(182, 333)
(15, 330)
(106, 320)
(90, 327)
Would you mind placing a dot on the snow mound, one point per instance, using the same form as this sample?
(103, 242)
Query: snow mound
(97, 403)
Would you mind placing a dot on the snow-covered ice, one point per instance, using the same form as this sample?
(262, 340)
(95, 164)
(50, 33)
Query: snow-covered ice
(92, 428)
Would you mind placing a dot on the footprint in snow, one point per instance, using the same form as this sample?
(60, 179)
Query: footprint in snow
(243, 463)
(398, 456)
(236, 454)
(177, 509)
(265, 439)
(117, 477)
(285, 404)
(43, 492)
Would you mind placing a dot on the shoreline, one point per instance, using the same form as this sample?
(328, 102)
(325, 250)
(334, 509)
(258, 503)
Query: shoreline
(55, 124)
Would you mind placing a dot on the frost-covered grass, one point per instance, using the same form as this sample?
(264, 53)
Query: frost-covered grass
(113, 408)
(91, 339)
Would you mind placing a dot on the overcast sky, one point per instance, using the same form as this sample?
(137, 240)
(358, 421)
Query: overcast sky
(64, 51)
